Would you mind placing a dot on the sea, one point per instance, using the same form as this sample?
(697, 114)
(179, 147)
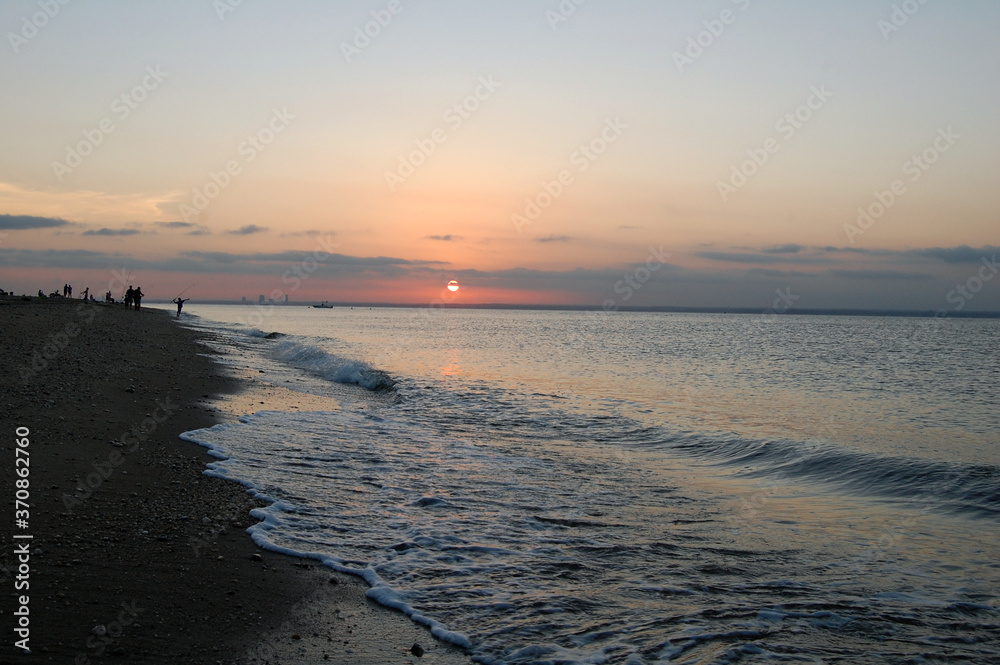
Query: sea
(636, 488)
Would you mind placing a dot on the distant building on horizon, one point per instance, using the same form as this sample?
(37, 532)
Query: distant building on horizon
(261, 300)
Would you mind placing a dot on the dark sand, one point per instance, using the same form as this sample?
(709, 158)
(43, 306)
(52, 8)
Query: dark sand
(129, 535)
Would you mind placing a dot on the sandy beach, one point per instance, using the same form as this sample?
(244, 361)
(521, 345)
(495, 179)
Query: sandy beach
(134, 554)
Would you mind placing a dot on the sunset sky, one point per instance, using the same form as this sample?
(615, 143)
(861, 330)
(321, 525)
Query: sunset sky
(578, 152)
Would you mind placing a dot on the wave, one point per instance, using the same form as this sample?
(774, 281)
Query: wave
(971, 489)
(298, 353)
(273, 516)
(302, 355)
(928, 484)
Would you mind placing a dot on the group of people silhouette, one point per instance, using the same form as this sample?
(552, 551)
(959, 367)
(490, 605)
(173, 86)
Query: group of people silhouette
(132, 298)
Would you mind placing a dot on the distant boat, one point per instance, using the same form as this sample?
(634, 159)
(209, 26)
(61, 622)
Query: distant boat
(323, 306)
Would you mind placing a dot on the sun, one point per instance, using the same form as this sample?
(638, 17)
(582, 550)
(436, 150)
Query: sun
(453, 286)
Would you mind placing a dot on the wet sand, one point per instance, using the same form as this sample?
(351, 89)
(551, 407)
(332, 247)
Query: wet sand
(136, 556)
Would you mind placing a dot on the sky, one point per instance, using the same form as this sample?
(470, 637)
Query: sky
(720, 153)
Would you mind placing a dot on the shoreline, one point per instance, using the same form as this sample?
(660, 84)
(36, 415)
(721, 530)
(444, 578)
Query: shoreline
(136, 553)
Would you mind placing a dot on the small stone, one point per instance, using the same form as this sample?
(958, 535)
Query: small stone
(417, 650)
(256, 557)
(100, 631)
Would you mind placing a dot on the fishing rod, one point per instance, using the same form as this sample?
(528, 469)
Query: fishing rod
(177, 297)
(125, 284)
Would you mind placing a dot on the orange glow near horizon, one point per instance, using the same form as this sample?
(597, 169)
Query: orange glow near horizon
(589, 173)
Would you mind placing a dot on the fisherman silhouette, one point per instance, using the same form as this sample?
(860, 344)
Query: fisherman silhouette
(137, 297)
(180, 303)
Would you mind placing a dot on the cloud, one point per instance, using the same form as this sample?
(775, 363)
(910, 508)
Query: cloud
(763, 257)
(445, 238)
(554, 239)
(330, 265)
(877, 275)
(23, 222)
(61, 258)
(90, 207)
(798, 254)
(112, 232)
(782, 274)
(248, 230)
(960, 254)
(308, 233)
(196, 229)
(875, 284)
(783, 249)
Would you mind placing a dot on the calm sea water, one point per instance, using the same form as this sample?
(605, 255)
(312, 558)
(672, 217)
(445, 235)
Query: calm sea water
(573, 487)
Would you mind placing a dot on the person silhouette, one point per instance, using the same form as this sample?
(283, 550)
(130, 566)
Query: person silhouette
(137, 297)
(180, 304)
(128, 297)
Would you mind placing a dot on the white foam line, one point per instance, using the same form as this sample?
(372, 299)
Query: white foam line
(380, 591)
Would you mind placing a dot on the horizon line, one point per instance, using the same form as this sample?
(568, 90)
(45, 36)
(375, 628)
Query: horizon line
(666, 309)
